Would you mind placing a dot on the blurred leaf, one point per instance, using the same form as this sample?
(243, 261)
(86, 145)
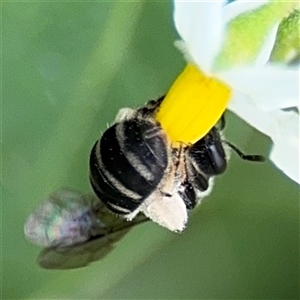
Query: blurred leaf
(287, 45)
(67, 68)
(247, 33)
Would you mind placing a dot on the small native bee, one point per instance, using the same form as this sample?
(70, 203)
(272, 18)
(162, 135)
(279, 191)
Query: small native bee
(134, 167)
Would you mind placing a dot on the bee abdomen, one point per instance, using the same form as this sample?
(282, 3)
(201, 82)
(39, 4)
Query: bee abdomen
(127, 164)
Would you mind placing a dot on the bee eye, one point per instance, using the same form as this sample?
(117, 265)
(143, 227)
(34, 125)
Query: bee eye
(209, 153)
(127, 164)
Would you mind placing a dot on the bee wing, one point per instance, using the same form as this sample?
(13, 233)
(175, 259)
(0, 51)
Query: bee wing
(65, 218)
(80, 255)
(75, 229)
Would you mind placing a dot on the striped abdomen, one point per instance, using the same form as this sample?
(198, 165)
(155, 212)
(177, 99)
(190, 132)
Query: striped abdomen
(128, 163)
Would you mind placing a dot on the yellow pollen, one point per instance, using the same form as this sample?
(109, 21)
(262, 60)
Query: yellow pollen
(193, 105)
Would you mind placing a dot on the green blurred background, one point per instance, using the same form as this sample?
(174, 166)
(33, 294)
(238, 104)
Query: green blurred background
(67, 68)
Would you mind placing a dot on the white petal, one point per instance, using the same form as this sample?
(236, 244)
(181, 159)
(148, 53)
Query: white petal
(281, 126)
(285, 151)
(285, 155)
(169, 212)
(247, 110)
(239, 7)
(269, 88)
(200, 25)
(267, 47)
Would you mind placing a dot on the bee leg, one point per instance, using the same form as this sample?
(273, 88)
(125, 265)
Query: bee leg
(222, 122)
(169, 212)
(150, 107)
(170, 180)
(188, 195)
(168, 186)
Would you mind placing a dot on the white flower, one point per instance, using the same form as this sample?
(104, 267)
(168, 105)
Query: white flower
(261, 91)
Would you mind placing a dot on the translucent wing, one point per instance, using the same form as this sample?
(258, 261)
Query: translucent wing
(83, 254)
(75, 229)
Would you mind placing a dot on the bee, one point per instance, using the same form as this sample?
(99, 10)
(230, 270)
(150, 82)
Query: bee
(137, 173)
(75, 230)
(135, 167)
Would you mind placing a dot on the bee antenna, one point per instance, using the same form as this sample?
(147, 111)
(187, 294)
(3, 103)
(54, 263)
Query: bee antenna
(255, 158)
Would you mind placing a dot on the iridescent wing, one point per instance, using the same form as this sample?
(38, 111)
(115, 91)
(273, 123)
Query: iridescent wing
(75, 229)
(79, 255)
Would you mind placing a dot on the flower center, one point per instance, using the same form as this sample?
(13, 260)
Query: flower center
(193, 105)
